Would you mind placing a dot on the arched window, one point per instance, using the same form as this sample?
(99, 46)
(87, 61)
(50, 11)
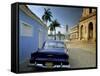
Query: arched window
(90, 10)
(81, 30)
(90, 29)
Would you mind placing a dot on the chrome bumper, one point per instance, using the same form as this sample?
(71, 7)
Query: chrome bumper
(55, 66)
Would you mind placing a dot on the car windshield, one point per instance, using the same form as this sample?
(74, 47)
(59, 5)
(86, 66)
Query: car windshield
(54, 45)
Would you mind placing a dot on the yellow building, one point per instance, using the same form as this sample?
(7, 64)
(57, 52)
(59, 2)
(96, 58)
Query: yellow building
(74, 32)
(86, 28)
(87, 25)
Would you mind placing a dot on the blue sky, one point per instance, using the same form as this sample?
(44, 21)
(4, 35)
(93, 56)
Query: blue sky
(65, 15)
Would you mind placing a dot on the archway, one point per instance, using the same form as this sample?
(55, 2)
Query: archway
(90, 29)
(81, 29)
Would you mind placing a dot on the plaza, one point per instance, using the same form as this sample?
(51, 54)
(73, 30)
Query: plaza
(82, 54)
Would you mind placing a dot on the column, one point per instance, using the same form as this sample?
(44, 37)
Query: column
(87, 31)
(94, 31)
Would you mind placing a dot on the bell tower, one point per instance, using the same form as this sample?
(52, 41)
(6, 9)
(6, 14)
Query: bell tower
(87, 11)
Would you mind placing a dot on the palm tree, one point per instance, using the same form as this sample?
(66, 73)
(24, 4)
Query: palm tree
(51, 27)
(47, 15)
(55, 24)
(59, 35)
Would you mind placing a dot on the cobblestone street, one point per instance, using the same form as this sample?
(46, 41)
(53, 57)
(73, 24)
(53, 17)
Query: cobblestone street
(82, 54)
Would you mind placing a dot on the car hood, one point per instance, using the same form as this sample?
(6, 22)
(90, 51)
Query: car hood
(54, 51)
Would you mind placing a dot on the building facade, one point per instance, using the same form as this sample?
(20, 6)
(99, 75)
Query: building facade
(86, 28)
(32, 33)
(74, 33)
(87, 25)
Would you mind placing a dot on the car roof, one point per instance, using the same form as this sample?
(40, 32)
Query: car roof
(56, 41)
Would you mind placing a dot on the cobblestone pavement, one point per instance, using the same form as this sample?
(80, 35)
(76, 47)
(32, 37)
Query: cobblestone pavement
(82, 54)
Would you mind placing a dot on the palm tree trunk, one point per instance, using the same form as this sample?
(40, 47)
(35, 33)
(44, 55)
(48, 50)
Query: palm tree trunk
(51, 32)
(55, 34)
(46, 23)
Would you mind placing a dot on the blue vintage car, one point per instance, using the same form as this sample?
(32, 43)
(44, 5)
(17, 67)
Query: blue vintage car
(53, 54)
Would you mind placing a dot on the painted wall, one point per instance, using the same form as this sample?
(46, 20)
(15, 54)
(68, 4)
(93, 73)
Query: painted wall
(29, 44)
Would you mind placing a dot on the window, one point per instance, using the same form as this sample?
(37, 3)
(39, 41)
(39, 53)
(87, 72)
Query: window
(25, 29)
(54, 45)
(40, 35)
(90, 10)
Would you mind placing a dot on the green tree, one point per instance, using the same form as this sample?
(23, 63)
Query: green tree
(53, 25)
(59, 35)
(47, 15)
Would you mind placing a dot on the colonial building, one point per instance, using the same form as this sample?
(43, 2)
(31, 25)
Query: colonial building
(32, 33)
(86, 28)
(74, 32)
(87, 24)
